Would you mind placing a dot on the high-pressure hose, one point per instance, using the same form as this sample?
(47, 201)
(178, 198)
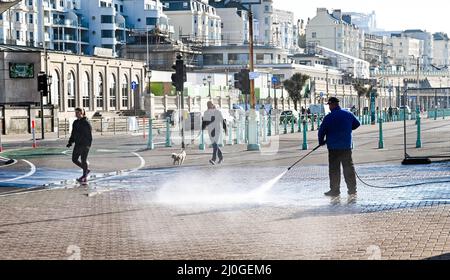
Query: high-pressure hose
(370, 185)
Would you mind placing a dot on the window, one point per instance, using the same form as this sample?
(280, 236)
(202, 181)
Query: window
(30, 2)
(71, 91)
(107, 34)
(314, 35)
(85, 91)
(125, 92)
(31, 36)
(18, 35)
(99, 93)
(266, 8)
(30, 18)
(151, 21)
(18, 17)
(121, 8)
(102, 4)
(266, 20)
(112, 91)
(107, 19)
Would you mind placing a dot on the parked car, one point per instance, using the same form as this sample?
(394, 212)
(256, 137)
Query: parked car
(316, 109)
(289, 114)
(408, 110)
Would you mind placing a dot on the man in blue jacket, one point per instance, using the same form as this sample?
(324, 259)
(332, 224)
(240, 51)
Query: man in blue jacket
(336, 132)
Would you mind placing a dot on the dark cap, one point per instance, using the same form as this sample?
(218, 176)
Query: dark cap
(333, 100)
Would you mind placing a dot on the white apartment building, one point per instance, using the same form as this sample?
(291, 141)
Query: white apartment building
(335, 32)
(426, 51)
(194, 20)
(286, 30)
(58, 23)
(78, 26)
(405, 51)
(441, 51)
(235, 24)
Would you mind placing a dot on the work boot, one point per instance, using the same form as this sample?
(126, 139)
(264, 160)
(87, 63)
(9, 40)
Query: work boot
(352, 192)
(332, 193)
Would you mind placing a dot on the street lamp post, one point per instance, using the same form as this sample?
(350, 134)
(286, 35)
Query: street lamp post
(148, 74)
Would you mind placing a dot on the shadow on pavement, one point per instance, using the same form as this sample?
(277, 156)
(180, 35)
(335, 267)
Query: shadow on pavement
(439, 258)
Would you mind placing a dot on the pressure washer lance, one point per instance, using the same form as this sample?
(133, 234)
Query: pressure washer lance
(374, 186)
(307, 155)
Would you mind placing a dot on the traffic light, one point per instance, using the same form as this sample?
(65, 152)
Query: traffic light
(238, 81)
(180, 75)
(43, 83)
(242, 81)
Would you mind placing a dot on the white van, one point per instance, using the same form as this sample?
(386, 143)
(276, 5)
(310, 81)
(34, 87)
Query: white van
(316, 109)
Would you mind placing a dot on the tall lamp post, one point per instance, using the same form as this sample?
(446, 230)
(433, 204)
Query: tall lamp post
(148, 74)
(207, 81)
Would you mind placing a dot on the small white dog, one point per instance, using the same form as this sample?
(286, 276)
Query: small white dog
(178, 159)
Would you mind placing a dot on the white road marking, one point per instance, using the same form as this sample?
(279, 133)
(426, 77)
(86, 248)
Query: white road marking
(31, 173)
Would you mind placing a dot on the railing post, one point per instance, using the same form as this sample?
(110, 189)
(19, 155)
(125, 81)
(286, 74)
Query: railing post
(305, 129)
(419, 140)
(150, 144)
(168, 142)
(381, 142)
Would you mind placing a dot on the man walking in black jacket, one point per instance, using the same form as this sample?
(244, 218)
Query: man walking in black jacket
(82, 137)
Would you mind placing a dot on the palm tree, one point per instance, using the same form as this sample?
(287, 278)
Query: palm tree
(362, 91)
(294, 87)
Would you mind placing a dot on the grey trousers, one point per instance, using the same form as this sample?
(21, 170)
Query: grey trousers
(335, 159)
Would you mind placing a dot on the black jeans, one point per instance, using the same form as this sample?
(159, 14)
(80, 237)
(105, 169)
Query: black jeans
(81, 151)
(216, 152)
(335, 159)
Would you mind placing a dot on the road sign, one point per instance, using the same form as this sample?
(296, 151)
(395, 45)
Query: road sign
(275, 80)
(133, 85)
(254, 75)
(321, 94)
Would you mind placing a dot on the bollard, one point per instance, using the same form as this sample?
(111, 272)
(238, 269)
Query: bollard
(246, 130)
(238, 134)
(57, 132)
(269, 132)
(305, 142)
(150, 144)
(418, 141)
(114, 126)
(443, 114)
(143, 127)
(65, 128)
(168, 142)
(201, 147)
(285, 125)
(33, 131)
(313, 119)
(381, 142)
(264, 133)
(101, 126)
(300, 120)
(230, 134)
(293, 124)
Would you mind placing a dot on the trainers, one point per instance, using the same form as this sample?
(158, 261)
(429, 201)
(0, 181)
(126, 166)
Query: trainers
(87, 173)
(212, 162)
(332, 193)
(220, 161)
(80, 180)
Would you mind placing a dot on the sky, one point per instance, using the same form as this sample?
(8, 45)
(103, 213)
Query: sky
(391, 15)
